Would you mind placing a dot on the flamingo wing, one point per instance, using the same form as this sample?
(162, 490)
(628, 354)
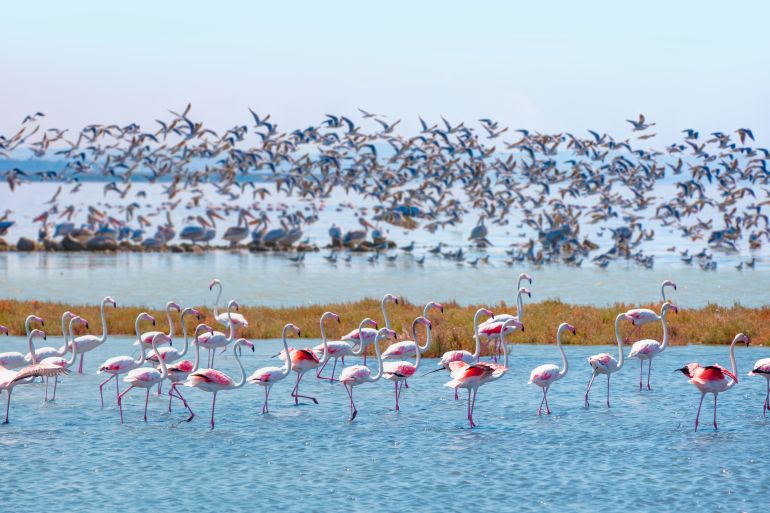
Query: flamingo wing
(40, 369)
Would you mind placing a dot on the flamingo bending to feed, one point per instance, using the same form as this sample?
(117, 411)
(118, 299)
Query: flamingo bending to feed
(399, 371)
(604, 363)
(13, 359)
(178, 371)
(266, 377)
(145, 341)
(336, 349)
(88, 343)
(214, 381)
(118, 365)
(461, 355)
(218, 339)
(544, 375)
(642, 316)
(648, 349)
(472, 376)
(223, 318)
(145, 377)
(490, 329)
(366, 336)
(359, 374)
(10, 378)
(42, 353)
(712, 379)
(304, 360)
(59, 360)
(762, 368)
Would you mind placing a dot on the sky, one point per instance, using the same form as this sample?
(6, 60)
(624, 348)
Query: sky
(549, 66)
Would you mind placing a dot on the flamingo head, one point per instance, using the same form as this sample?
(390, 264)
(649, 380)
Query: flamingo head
(80, 321)
(669, 283)
(3, 329)
(293, 328)
(144, 316)
(37, 333)
(111, 300)
(331, 315)
(232, 304)
(369, 322)
(391, 298)
(425, 322)
(161, 338)
(37, 319)
(215, 281)
(386, 333)
(192, 311)
(568, 327)
(688, 369)
(486, 311)
(244, 342)
(670, 306)
(525, 276)
(68, 315)
(512, 323)
(525, 290)
(740, 338)
(437, 306)
(173, 306)
(201, 328)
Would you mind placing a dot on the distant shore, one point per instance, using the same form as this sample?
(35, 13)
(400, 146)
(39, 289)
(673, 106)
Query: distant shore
(451, 330)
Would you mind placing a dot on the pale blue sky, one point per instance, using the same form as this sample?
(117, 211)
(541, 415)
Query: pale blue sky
(543, 65)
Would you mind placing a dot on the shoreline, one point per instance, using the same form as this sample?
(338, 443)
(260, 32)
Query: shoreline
(453, 329)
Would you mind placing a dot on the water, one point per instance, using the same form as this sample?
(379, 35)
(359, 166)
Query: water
(640, 455)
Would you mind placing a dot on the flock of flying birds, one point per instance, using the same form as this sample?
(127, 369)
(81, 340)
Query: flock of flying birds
(711, 189)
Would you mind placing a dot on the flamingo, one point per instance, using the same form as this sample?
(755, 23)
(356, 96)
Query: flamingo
(304, 360)
(472, 375)
(462, 355)
(604, 363)
(178, 371)
(13, 359)
(10, 378)
(712, 379)
(266, 377)
(337, 349)
(218, 339)
(544, 375)
(214, 381)
(88, 343)
(399, 371)
(44, 352)
(408, 348)
(222, 318)
(172, 354)
(145, 377)
(145, 340)
(356, 375)
(647, 349)
(641, 316)
(58, 359)
(490, 329)
(118, 365)
(762, 368)
(366, 336)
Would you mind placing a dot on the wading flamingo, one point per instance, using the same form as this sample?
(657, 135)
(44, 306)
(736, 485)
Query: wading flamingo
(59, 360)
(604, 363)
(219, 339)
(10, 378)
(399, 371)
(178, 371)
(489, 330)
(648, 349)
(337, 349)
(145, 341)
(214, 381)
(544, 375)
(359, 374)
(88, 343)
(13, 359)
(266, 377)
(145, 377)
(472, 376)
(762, 368)
(171, 354)
(366, 336)
(41, 353)
(408, 348)
(642, 316)
(461, 355)
(712, 379)
(236, 319)
(118, 365)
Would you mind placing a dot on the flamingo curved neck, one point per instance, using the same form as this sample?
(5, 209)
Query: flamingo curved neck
(520, 305)
(287, 364)
(664, 345)
(186, 338)
(71, 360)
(103, 338)
(565, 364)
(230, 327)
(241, 381)
(196, 364)
(170, 322)
(325, 342)
(27, 322)
(67, 337)
(385, 312)
(164, 370)
(733, 364)
(418, 349)
(477, 350)
(140, 360)
(378, 355)
(31, 348)
(422, 349)
(619, 340)
(216, 303)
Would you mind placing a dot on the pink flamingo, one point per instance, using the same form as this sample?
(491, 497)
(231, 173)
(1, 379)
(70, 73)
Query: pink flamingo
(266, 377)
(712, 379)
(304, 360)
(366, 336)
(88, 343)
(238, 320)
(648, 349)
(544, 375)
(460, 355)
(178, 371)
(408, 348)
(641, 316)
(490, 329)
(13, 359)
(145, 340)
(604, 363)
(399, 371)
(10, 378)
(42, 353)
(118, 365)
(59, 360)
(214, 381)
(219, 339)
(145, 377)
(336, 349)
(762, 368)
(356, 375)
(170, 353)
(472, 376)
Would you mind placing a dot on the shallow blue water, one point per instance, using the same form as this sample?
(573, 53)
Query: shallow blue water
(640, 455)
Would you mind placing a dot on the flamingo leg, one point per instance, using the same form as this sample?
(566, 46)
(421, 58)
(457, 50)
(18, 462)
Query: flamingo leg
(46, 390)
(146, 402)
(101, 385)
(213, 355)
(213, 404)
(174, 391)
(334, 368)
(767, 400)
(120, 401)
(545, 396)
(170, 396)
(297, 394)
(55, 381)
(540, 408)
(8, 405)
(715, 411)
(697, 416)
(395, 390)
(160, 386)
(406, 384)
(468, 415)
(608, 390)
(588, 389)
(80, 367)
(320, 370)
(473, 406)
(456, 396)
(641, 368)
(649, 370)
(353, 410)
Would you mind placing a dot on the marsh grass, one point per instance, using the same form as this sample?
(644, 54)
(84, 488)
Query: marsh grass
(451, 330)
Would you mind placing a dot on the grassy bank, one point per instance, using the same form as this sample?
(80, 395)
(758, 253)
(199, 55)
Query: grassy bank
(452, 330)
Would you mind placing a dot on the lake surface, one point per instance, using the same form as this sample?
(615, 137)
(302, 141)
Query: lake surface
(640, 455)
